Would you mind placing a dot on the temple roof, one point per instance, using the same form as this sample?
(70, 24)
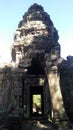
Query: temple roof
(36, 34)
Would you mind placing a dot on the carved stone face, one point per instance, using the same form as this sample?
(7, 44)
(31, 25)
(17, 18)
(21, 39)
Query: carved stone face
(36, 33)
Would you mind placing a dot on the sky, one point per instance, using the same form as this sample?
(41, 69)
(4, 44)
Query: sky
(11, 12)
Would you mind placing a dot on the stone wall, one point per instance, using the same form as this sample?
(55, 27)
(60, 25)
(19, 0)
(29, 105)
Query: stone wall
(10, 90)
(66, 84)
(15, 91)
(14, 82)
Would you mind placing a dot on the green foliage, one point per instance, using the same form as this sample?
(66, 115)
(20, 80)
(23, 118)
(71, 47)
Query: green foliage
(37, 100)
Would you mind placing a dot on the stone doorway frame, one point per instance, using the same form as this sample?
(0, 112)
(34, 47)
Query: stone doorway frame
(35, 81)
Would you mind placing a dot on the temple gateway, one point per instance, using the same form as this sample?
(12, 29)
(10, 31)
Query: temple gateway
(38, 81)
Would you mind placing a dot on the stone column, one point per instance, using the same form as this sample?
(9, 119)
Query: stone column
(55, 92)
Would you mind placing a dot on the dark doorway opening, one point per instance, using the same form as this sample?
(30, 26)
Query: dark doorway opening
(36, 101)
(36, 68)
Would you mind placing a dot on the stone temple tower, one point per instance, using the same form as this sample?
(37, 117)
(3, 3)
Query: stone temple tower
(37, 52)
(38, 83)
(35, 34)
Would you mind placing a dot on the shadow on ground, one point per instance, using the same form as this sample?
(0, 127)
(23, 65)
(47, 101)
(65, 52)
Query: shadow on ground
(38, 125)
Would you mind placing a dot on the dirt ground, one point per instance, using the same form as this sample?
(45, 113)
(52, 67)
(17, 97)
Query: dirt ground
(33, 124)
(38, 125)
